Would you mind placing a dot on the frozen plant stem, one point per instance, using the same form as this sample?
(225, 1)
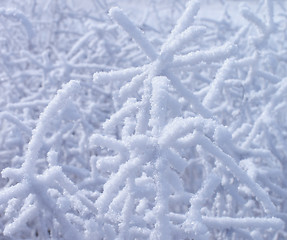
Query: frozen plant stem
(46, 117)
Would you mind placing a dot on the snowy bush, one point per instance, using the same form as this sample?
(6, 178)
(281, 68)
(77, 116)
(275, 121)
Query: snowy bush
(179, 134)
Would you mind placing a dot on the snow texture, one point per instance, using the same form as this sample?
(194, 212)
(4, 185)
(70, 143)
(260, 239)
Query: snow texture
(174, 128)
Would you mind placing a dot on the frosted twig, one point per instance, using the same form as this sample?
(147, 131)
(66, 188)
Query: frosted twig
(38, 133)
